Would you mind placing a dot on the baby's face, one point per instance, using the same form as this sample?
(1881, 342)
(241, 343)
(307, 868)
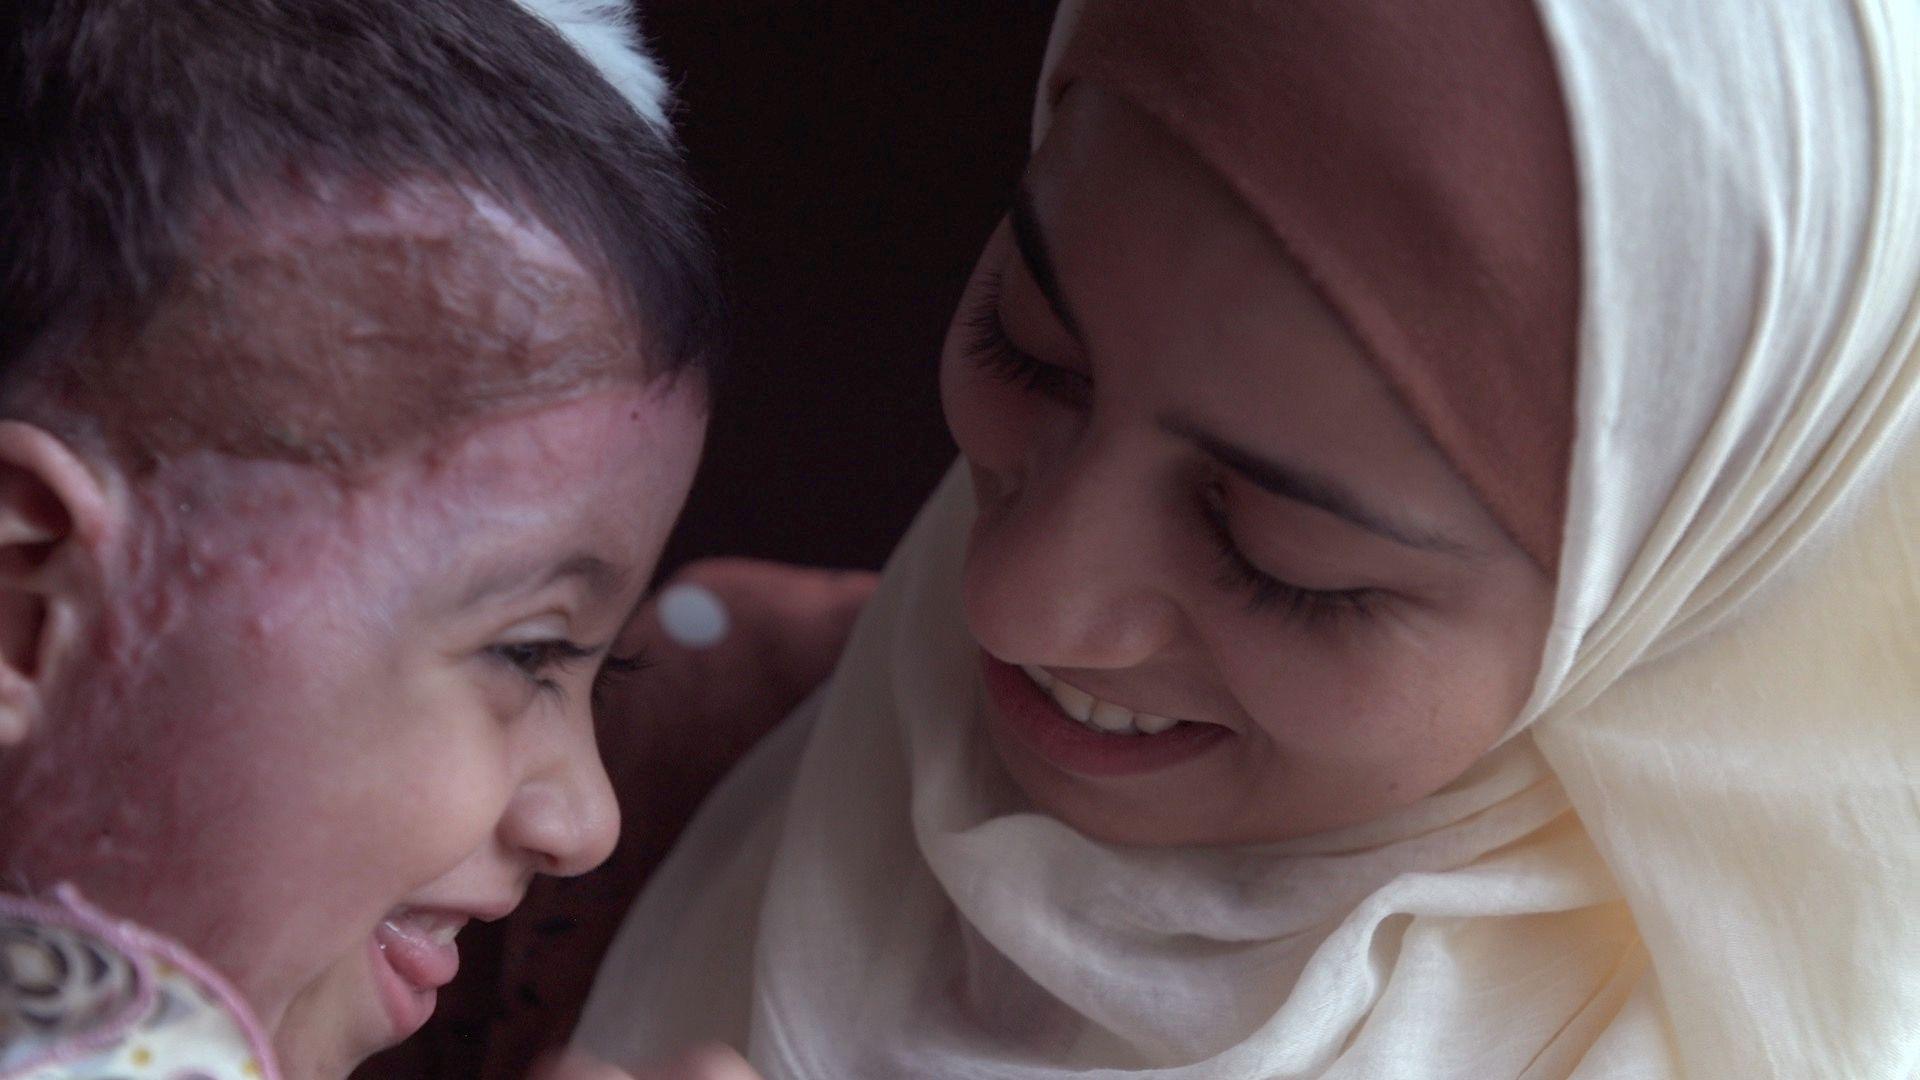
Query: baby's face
(359, 718)
(316, 725)
(1199, 503)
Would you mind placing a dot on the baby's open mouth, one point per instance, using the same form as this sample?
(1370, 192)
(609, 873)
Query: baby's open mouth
(414, 956)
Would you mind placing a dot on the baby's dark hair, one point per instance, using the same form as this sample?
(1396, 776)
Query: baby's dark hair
(128, 123)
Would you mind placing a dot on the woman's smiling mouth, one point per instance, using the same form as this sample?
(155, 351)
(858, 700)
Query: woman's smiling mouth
(1102, 716)
(1080, 734)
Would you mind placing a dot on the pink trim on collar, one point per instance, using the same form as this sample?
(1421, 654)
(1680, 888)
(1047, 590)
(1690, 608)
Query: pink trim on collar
(140, 946)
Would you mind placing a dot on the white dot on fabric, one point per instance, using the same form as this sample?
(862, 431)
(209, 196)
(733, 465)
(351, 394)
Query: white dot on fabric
(693, 616)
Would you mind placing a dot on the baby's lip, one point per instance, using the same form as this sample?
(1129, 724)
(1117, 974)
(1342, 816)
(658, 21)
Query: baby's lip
(418, 940)
(419, 945)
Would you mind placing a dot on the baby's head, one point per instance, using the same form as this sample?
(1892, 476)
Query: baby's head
(352, 372)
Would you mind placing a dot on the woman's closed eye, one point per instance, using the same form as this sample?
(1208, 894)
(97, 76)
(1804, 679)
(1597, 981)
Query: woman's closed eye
(990, 347)
(1263, 591)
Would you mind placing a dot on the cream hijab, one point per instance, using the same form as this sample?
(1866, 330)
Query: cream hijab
(1699, 853)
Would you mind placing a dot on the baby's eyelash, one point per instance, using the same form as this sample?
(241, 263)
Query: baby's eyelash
(617, 671)
(988, 345)
(615, 668)
(1266, 593)
(538, 661)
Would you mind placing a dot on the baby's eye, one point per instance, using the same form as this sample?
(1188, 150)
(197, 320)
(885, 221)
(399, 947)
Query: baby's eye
(616, 671)
(539, 660)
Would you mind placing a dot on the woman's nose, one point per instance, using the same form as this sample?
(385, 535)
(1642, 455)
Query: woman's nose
(564, 816)
(1060, 567)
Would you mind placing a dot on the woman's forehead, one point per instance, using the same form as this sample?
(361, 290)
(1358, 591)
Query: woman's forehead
(1187, 303)
(1433, 202)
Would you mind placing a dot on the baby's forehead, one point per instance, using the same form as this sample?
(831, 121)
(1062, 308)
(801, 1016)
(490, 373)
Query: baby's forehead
(320, 213)
(335, 322)
(507, 497)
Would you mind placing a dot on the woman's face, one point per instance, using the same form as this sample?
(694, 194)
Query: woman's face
(1199, 503)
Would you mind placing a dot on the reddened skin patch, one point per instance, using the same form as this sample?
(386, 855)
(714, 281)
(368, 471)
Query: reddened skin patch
(338, 324)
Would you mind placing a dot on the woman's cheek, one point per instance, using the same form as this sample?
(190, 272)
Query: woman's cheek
(1311, 690)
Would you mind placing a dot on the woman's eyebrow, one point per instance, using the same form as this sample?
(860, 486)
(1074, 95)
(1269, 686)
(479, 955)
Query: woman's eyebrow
(1032, 244)
(1316, 490)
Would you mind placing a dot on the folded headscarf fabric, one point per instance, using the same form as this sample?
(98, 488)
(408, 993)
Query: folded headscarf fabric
(1698, 852)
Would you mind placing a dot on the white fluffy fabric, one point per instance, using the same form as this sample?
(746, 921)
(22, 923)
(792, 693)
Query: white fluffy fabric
(604, 33)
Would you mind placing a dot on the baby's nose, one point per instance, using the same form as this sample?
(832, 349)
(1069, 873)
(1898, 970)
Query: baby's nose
(567, 820)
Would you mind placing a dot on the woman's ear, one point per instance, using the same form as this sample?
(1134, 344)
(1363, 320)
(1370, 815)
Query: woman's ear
(53, 511)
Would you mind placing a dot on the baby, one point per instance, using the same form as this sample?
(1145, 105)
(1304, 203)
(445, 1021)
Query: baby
(352, 372)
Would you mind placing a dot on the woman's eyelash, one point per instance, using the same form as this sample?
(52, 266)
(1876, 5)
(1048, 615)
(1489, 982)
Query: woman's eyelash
(1266, 593)
(989, 346)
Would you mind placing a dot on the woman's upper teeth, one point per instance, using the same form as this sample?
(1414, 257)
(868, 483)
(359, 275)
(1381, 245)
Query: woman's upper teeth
(1099, 715)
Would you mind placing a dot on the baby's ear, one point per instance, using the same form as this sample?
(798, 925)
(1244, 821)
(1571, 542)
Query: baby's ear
(53, 511)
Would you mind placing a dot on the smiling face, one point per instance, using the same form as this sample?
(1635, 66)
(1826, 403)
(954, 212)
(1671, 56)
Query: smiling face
(1199, 503)
(347, 720)
(311, 720)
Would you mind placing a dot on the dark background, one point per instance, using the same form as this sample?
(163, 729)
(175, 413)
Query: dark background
(857, 154)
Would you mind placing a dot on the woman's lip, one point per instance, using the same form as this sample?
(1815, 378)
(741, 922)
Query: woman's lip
(1037, 722)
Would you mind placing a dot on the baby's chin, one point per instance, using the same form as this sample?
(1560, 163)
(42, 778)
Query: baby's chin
(333, 1024)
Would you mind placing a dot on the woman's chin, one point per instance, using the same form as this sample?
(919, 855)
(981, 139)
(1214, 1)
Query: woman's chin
(1193, 806)
(1104, 810)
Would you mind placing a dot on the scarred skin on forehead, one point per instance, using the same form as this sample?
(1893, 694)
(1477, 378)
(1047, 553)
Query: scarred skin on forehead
(346, 320)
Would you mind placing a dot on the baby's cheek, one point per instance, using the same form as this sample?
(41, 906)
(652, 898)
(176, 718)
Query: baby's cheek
(437, 765)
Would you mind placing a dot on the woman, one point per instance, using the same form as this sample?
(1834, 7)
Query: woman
(1430, 592)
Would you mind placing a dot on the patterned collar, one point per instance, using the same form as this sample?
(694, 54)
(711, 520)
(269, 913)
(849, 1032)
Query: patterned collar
(84, 996)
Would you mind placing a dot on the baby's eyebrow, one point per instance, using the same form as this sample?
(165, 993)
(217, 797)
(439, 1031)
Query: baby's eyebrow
(596, 573)
(599, 576)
